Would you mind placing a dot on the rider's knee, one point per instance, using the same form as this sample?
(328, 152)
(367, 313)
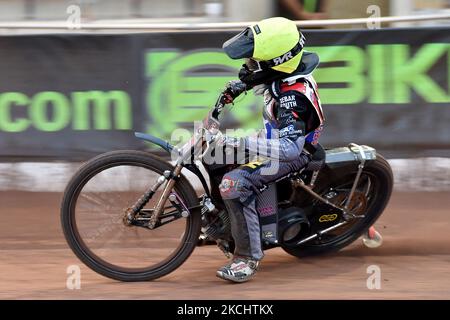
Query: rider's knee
(231, 186)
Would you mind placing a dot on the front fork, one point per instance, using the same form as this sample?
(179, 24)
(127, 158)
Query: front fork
(171, 178)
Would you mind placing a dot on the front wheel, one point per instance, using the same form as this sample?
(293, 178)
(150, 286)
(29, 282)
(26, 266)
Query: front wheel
(93, 210)
(371, 197)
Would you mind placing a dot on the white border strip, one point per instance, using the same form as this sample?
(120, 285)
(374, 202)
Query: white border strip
(421, 174)
(202, 26)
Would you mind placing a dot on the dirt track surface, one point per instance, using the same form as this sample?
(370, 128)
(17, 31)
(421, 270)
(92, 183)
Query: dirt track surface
(414, 260)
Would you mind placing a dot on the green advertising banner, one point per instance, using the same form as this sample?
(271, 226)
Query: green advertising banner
(73, 96)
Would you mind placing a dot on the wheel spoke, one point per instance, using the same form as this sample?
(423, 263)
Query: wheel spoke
(99, 213)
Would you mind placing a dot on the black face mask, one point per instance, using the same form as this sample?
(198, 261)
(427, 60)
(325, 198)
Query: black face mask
(251, 78)
(246, 76)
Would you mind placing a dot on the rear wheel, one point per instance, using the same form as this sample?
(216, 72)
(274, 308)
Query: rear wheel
(371, 197)
(93, 210)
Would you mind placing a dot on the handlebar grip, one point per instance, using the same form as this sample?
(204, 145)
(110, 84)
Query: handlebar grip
(219, 106)
(215, 114)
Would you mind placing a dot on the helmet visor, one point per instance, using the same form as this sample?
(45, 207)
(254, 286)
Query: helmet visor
(241, 45)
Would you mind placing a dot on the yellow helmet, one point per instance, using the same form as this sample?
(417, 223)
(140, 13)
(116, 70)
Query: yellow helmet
(274, 43)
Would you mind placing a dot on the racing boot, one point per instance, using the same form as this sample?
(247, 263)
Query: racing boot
(240, 269)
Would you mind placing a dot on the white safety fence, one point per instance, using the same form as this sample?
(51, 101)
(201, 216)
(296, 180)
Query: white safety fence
(117, 26)
(420, 174)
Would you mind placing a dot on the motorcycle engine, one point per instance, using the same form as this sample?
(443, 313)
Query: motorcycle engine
(218, 226)
(293, 225)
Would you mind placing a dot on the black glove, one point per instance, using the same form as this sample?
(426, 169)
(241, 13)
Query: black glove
(233, 89)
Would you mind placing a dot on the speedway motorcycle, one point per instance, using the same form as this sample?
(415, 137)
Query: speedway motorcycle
(133, 216)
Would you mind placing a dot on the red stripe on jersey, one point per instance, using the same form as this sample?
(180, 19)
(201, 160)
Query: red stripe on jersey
(298, 86)
(301, 87)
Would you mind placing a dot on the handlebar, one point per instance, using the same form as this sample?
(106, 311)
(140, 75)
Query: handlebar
(211, 124)
(233, 89)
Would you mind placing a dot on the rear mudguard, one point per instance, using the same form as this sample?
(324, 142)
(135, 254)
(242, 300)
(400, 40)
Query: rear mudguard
(340, 161)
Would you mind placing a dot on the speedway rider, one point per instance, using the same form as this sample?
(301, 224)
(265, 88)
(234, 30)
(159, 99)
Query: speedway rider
(277, 67)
